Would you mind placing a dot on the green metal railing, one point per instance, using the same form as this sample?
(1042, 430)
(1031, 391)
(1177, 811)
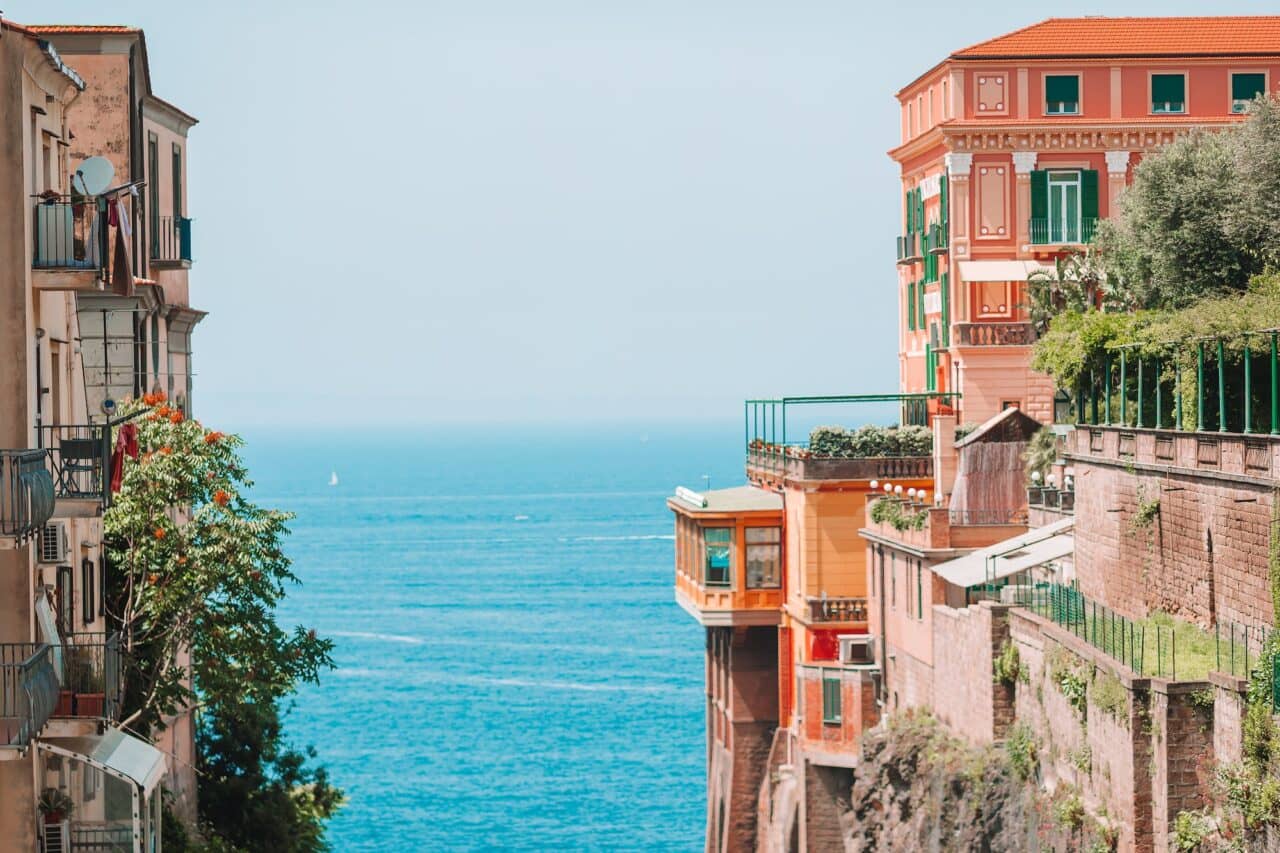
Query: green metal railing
(935, 239)
(1206, 390)
(908, 248)
(1239, 647)
(765, 419)
(1052, 232)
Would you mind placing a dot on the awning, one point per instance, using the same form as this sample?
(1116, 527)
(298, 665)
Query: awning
(129, 756)
(999, 270)
(1013, 555)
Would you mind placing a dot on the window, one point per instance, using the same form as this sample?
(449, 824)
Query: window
(1246, 87)
(831, 711)
(1168, 93)
(64, 596)
(88, 580)
(764, 557)
(153, 193)
(1064, 206)
(1061, 94)
(718, 545)
(911, 306)
(919, 590)
(177, 182)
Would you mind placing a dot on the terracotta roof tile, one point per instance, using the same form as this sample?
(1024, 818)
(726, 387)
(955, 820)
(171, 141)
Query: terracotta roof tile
(68, 29)
(1105, 36)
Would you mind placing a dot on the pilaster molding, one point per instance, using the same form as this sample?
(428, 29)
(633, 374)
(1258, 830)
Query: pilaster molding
(1117, 162)
(1024, 162)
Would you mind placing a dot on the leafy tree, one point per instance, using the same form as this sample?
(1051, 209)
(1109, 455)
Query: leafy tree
(197, 572)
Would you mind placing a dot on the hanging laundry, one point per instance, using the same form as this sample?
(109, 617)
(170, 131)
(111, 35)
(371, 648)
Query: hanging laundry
(126, 445)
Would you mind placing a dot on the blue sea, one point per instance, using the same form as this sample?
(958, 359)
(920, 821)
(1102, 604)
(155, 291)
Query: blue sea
(512, 670)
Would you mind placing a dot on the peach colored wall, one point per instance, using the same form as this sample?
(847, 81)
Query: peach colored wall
(100, 117)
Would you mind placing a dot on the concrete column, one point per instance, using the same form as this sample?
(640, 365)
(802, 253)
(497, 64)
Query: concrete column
(959, 166)
(944, 455)
(1024, 163)
(1117, 174)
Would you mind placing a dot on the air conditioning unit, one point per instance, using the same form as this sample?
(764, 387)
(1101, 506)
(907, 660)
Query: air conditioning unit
(857, 649)
(1238, 106)
(53, 543)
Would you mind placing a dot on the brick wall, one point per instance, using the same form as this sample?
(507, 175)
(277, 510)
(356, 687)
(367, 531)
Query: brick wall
(965, 695)
(1228, 712)
(1205, 556)
(1181, 742)
(858, 712)
(751, 742)
(827, 791)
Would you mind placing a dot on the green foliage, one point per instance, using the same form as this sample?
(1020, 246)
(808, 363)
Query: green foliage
(198, 571)
(1041, 453)
(1075, 284)
(1109, 695)
(870, 441)
(55, 801)
(1202, 699)
(1075, 341)
(1066, 673)
(896, 513)
(1020, 747)
(1145, 515)
(1081, 757)
(964, 429)
(1068, 812)
(1007, 666)
(1190, 830)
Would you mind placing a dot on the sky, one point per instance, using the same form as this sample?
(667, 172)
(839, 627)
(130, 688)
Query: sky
(544, 212)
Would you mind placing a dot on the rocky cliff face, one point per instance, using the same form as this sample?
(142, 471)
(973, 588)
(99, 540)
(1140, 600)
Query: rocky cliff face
(918, 788)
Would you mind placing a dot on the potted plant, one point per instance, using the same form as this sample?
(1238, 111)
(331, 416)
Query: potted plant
(55, 805)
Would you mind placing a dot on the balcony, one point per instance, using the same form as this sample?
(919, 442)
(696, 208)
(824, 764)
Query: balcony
(935, 239)
(28, 691)
(833, 610)
(92, 677)
(26, 493)
(80, 464)
(909, 249)
(863, 452)
(994, 334)
(71, 241)
(1053, 232)
(171, 243)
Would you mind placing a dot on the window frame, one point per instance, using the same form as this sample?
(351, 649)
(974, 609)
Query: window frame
(705, 552)
(1151, 95)
(1077, 181)
(1044, 93)
(833, 702)
(1232, 73)
(748, 545)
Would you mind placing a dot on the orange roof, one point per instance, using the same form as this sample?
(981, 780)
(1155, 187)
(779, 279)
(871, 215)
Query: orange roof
(66, 29)
(1105, 36)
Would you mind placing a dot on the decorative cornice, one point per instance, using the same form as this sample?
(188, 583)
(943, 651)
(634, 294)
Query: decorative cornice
(1024, 162)
(958, 165)
(1069, 140)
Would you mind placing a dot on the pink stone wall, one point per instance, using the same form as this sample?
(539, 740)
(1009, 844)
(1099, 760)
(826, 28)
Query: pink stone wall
(965, 695)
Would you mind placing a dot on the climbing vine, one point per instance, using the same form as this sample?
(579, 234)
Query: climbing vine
(894, 512)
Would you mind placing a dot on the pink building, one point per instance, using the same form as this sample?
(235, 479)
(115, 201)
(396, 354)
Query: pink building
(1011, 151)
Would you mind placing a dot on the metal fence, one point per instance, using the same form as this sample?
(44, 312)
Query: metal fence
(69, 234)
(838, 609)
(92, 681)
(1053, 232)
(79, 459)
(26, 493)
(172, 240)
(1239, 647)
(28, 691)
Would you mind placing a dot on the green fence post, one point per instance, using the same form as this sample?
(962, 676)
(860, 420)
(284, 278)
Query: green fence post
(1275, 386)
(1140, 394)
(1124, 390)
(1222, 389)
(1200, 386)
(1248, 389)
(1177, 395)
(1106, 400)
(1159, 403)
(1093, 396)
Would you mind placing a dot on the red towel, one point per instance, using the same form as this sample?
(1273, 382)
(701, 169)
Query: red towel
(126, 444)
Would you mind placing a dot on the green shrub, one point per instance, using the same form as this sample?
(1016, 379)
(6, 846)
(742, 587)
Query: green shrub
(1190, 829)
(1020, 746)
(870, 441)
(1007, 666)
(896, 513)
(1068, 812)
(1110, 696)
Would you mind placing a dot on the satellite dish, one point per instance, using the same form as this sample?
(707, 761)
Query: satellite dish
(93, 176)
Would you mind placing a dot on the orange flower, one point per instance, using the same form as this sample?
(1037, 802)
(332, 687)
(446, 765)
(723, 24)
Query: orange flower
(149, 399)
(153, 416)
(182, 560)
(163, 411)
(153, 578)
(176, 417)
(212, 437)
(167, 450)
(221, 498)
(159, 532)
(160, 397)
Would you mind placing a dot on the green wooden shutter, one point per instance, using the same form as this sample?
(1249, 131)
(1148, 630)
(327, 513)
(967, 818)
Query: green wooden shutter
(920, 296)
(1039, 194)
(911, 306)
(942, 196)
(1168, 88)
(1061, 88)
(910, 209)
(920, 208)
(928, 367)
(946, 310)
(1089, 194)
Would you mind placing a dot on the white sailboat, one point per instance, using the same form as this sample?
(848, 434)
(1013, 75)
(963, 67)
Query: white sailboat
(333, 478)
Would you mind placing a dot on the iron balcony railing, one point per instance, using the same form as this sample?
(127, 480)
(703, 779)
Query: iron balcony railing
(908, 248)
(69, 234)
(935, 241)
(28, 691)
(977, 517)
(837, 610)
(92, 676)
(994, 334)
(172, 240)
(79, 459)
(1056, 232)
(26, 493)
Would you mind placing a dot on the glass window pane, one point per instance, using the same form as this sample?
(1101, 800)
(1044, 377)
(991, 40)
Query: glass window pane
(718, 534)
(1245, 87)
(763, 534)
(718, 560)
(763, 566)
